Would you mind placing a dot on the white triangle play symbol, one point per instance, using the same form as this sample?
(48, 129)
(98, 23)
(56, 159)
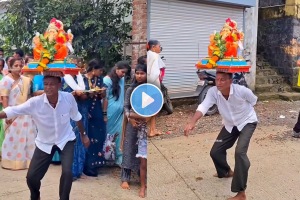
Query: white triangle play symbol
(146, 100)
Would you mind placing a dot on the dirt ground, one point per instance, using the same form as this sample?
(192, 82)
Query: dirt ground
(269, 113)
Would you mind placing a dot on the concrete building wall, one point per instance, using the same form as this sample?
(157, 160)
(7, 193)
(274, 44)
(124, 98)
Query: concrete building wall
(250, 43)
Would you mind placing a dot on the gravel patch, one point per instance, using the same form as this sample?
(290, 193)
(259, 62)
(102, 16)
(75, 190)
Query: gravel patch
(275, 112)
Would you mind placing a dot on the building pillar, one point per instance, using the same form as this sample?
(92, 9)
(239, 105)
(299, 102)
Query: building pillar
(139, 30)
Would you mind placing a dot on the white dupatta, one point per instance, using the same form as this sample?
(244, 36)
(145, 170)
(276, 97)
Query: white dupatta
(72, 83)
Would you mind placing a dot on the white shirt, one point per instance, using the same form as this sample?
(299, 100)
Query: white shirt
(236, 111)
(53, 124)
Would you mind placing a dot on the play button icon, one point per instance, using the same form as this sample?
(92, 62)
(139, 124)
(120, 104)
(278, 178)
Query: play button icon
(146, 100)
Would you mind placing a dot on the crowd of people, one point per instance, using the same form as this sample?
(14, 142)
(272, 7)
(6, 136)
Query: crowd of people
(86, 122)
(117, 135)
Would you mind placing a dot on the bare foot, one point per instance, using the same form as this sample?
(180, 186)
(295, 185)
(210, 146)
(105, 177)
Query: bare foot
(154, 133)
(151, 134)
(142, 192)
(158, 132)
(125, 186)
(83, 176)
(239, 196)
(230, 174)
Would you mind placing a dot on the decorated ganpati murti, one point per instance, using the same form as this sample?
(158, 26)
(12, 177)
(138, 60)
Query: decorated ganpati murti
(223, 47)
(51, 49)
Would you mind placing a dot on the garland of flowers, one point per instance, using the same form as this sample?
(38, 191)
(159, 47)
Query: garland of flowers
(47, 54)
(218, 52)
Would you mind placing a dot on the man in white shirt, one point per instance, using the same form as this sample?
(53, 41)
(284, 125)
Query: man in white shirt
(235, 104)
(51, 112)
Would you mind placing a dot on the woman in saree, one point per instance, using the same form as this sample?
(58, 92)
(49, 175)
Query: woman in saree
(19, 142)
(115, 94)
(2, 63)
(97, 119)
(77, 85)
(155, 67)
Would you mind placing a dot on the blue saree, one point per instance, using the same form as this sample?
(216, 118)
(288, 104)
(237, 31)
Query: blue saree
(115, 116)
(79, 150)
(97, 131)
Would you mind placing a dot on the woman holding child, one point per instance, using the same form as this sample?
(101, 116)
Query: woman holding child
(135, 137)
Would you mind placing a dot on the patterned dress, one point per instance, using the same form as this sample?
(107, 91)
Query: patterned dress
(1, 122)
(96, 131)
(142, 140)
(19, 142)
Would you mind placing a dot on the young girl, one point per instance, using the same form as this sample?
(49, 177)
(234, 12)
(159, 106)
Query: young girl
(136, 133)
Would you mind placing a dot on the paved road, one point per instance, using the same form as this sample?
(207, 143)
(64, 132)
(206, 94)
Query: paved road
(105, 187)
(180, 168)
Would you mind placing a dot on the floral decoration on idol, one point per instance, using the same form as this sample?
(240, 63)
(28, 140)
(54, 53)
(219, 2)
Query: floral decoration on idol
(53, 45)
(224, 44)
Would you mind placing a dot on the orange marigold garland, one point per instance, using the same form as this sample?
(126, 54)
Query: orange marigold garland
(47, 54)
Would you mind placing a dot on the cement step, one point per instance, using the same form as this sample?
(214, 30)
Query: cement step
(267, 96)
(262, 63)
(272, 79)
(260, 88)
(270, 71)
(290, 96)
(266, 72)
(286, 96)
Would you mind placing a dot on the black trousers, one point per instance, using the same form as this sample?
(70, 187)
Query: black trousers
(297, 125)
(226, 140)
(39, 165)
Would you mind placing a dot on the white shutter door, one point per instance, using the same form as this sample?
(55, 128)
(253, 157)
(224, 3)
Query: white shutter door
(182, 27)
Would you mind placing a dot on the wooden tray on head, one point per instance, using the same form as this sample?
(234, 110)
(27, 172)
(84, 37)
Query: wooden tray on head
(229, 69)
(71, 71)
(235, 69)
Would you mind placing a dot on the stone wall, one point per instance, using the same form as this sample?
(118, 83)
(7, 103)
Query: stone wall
(279, 38)
(263, 3)
(139, 30)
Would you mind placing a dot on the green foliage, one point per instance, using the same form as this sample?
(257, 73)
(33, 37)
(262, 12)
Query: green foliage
(98, 26)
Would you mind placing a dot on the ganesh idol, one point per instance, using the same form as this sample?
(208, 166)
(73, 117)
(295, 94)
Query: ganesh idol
(60, 40)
